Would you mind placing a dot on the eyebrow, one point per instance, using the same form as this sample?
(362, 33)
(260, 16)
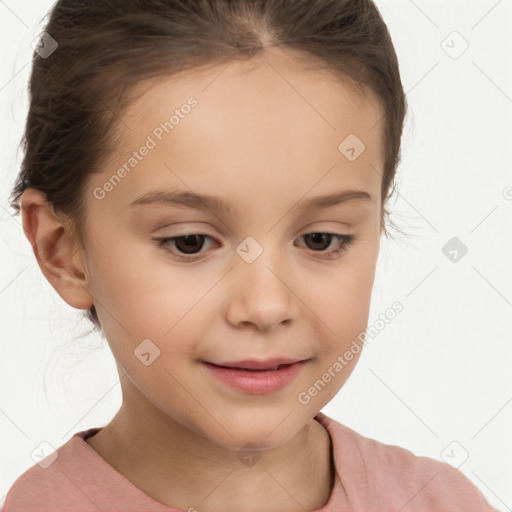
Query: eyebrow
(209, 202)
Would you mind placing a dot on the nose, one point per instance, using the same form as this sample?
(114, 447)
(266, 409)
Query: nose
(261, 296)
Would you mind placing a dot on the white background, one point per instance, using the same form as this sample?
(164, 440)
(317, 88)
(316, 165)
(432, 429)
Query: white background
(439, 372)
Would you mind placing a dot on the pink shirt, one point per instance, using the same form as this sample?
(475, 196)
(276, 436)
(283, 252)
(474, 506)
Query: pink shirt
(370, 477)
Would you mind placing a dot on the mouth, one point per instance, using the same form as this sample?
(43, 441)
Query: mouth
(274, 368)
(256, 364)
(256, 381)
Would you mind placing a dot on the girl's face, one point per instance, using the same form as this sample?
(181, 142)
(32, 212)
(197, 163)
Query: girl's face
(264, 140)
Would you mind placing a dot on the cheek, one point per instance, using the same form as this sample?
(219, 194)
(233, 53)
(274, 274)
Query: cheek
(153, 331)
(131, 278)
(343, 311)
(343, 318)
(137, 301)
(342, 298)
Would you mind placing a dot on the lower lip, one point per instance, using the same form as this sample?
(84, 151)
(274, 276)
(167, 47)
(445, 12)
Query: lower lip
(257, 382)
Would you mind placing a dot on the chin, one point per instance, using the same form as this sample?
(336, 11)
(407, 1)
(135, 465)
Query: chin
(265, 430)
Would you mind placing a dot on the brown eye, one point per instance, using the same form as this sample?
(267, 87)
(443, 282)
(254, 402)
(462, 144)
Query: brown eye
(183, 247)
(189, 244)
(318, 241)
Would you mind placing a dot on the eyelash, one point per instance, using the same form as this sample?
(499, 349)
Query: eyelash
(346, 240)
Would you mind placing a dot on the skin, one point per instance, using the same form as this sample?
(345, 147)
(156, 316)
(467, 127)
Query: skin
(264, 135)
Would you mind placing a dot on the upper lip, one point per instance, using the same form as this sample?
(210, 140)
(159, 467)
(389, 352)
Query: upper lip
(256, 364)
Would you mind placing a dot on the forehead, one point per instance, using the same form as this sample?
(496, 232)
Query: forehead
(270, 124)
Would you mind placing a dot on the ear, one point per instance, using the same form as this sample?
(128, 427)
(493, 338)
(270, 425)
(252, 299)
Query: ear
(54, 249)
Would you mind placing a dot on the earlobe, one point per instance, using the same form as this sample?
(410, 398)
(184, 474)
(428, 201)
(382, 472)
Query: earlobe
(54, 249)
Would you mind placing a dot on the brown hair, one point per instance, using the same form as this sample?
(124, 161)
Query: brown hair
(106, 47)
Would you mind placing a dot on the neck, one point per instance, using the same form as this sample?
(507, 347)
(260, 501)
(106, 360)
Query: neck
(183, 469)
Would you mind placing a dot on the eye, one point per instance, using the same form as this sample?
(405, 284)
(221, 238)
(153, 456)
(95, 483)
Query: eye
(321, 241)
(185, 247)
(186, 244)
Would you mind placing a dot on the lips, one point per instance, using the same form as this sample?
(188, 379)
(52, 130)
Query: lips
(255, 365)
(256, 381)
(277, 367)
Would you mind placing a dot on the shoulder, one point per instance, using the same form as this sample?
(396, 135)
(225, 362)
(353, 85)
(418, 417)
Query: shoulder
(427, 481)
(53, 483)
(75, 477)
(401, 479)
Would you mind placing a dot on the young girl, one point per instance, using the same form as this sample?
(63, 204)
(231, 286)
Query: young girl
(268, 133)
